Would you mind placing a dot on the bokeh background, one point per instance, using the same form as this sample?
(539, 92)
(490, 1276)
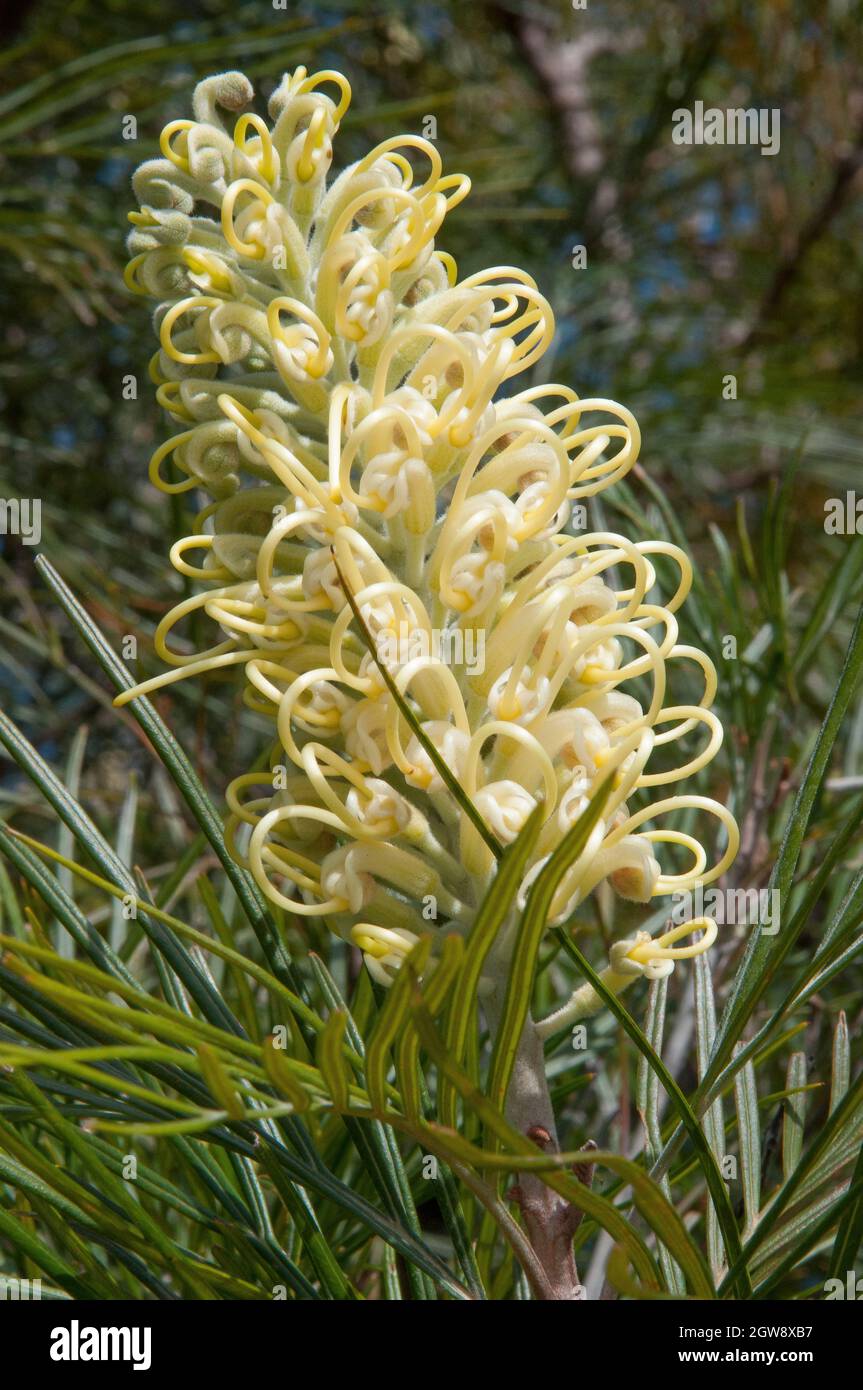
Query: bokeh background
(703, 263)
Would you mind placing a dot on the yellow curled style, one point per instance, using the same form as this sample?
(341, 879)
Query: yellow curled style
(252, 250)
(338, 79)
(184, 306)
(662, 947)
(318, 364)
(264, 157)
(171, 129)
(390, 150)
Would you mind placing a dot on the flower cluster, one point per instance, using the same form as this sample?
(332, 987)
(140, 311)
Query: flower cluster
(343, 401)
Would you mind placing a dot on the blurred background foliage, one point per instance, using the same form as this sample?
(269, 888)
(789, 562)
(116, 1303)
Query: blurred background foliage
(703, 263)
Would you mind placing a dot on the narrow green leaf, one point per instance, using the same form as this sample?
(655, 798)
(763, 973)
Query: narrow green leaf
(330, 1060)
(840, 1072)
(63, 906)
(125, 851)
(713, 1121)
(73, 815)
(849, 1234)
(375, 1141)
(526, 947)
(319, 1180)
(282, 1076)
(807, 1232)
(436, 990)
(74, 764)
(794, 1113)
(766, 951)
(647, 1093)
(749, 1142)
(493, 912)
(32, 1248)
(219, 1082)
(389, 1023)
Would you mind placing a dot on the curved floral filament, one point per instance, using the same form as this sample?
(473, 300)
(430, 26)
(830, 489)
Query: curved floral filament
(316, 362)
(241, 616)
(266, 558)
(644, 956)
(176, 615)
(184, 306)
(177, 556)
(204, 264)
(711, 683)
(397, 340)
(338, 79)
(386, 150)
(683, 563)
(287, 467)
(262, 855)
(673, 883)
(263, 157)
(262, 199)
(463, 487)
(416, 233)
(130, 274)
(611, 677)
(173, 128)
(393, 416)
(316, 760)
(167, 397)
(441, 697)
(693, 714)
(462, 185)
(663, 948)
(593, 475)
(289, 705)
(157, 459)
(543, 769)
(214, 660)
(384, 948)
(262, 673)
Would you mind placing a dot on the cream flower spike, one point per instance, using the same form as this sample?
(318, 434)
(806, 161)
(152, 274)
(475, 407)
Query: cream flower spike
(338, 397)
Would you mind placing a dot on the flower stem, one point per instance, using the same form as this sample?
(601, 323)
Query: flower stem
(550, 1221)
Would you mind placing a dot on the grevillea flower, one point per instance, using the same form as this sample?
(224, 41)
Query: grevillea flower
(345, 402)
